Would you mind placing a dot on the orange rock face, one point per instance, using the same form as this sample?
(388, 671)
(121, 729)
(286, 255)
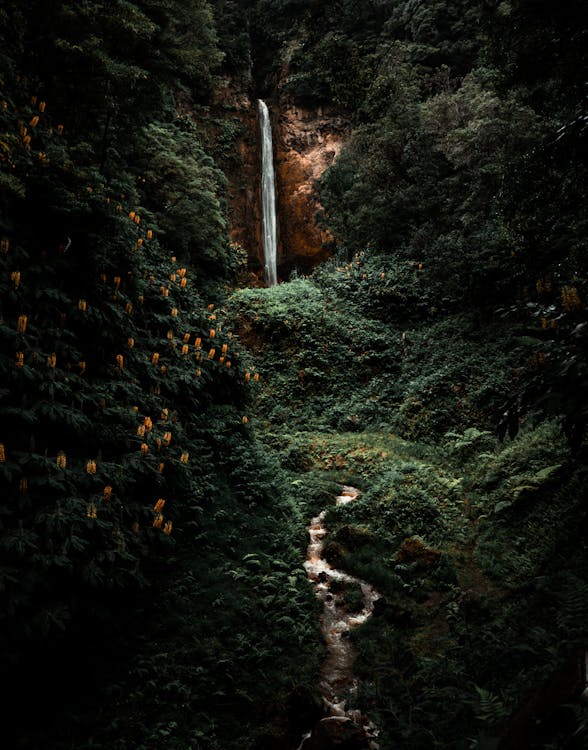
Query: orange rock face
(306, 143)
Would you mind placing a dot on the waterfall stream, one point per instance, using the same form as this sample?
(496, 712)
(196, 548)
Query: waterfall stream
(268, 197)
(337, 682)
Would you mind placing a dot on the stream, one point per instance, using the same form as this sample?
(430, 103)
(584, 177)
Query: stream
(337, 682)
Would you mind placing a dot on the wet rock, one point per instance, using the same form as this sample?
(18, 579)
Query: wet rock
(334, 554)
(336, 733)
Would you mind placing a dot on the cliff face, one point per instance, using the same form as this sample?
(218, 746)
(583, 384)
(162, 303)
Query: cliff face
(306, 142)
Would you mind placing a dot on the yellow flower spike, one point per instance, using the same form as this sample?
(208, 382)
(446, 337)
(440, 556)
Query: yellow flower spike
(20, 359)
(61, 460)
(212, 333)
(173, 276)
(211, 353)
(221, 360)
(211, 307)
(161, 467)
(382, 275)
(52, 361)
(34, 121)
(107, 493)
(167, 436)
(132, 215)
(181, 273)
(21, 325)
(140, 241)
(184, 283)
(198, 372)
(256, 377)
(135, 408)
(82, 305)
(129, 308)
(167, 529)
(174, 312)
(42, 106)
(228, 363)
(91, 511)
(15, 278)
(149, 234)
(148, 423)
(163, 369)
(186, 338)
(159, 505)
(2, 453)
(155, 358)
(141, 430)
(137, 219)
(185, 349)
(164, 414)
(91, 467)
(170, 335)
(157, 521)
(141, 299)
(244, 420)
(120, 361)
(185, 457)
(130, 342)
(144, 449)
(225, 347)
(198, 343)
(247, 376)
(116, 281)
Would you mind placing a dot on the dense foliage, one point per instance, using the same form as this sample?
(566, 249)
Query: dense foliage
(164, 436)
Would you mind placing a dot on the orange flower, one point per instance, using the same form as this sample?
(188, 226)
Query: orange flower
(167, 529)
(91, 467)
(107, 493)
(159, 505)
(144, 449)
(2, 453)
(61, 460)
(155, 358)
(20, 359)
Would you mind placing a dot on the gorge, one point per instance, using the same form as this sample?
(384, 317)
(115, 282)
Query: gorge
(175, 424)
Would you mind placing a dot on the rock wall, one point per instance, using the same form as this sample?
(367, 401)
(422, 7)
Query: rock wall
(306, 142)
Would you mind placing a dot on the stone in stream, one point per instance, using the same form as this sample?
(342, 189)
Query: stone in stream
(337, 733)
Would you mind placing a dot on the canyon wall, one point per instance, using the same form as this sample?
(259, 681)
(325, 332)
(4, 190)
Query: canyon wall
(306, 142)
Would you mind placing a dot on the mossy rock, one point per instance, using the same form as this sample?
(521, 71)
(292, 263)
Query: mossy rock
(415, 550)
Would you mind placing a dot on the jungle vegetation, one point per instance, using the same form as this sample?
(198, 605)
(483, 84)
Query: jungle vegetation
(165, 433)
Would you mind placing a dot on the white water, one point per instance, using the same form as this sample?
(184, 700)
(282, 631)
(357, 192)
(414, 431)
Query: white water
(268, 197)
(337, 681)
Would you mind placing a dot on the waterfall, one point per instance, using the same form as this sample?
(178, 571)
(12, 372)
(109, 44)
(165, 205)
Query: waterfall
(268, 197)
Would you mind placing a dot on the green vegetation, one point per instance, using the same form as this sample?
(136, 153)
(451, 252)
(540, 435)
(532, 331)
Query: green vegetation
(165, 436)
